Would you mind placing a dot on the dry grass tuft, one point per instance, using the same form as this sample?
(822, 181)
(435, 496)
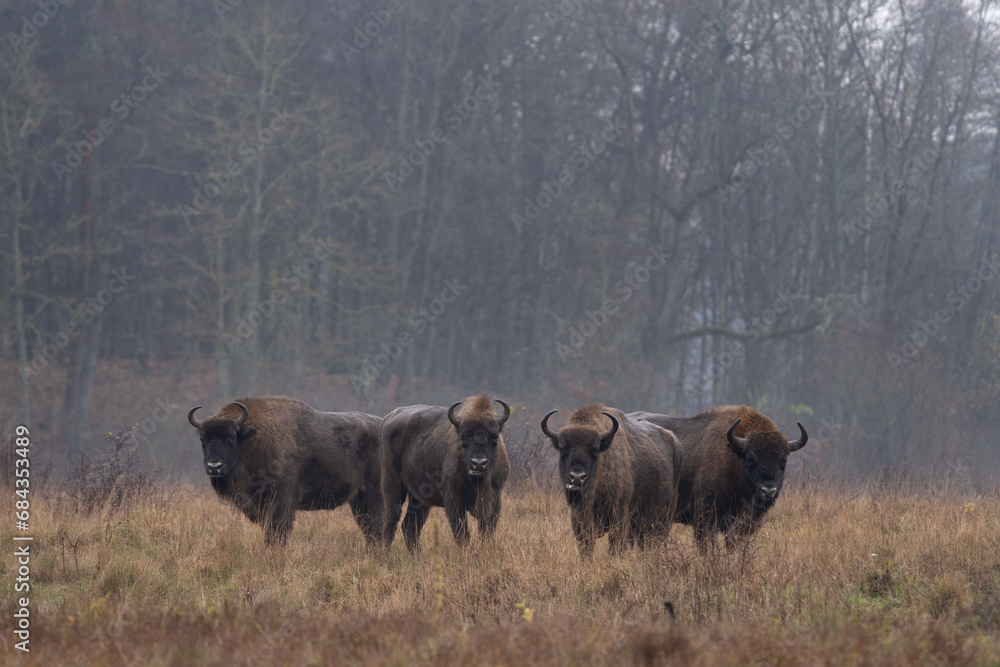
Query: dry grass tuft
(890, 575)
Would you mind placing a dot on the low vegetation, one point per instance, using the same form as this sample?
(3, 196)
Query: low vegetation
(880, 575)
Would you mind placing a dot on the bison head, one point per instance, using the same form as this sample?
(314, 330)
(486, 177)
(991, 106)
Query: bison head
(479, 431)
(220, 438)
(764, 454)
(579, 446)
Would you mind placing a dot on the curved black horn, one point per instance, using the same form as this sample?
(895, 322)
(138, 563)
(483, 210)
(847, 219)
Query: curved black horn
(246, 413)
(795, 445)
(451, 414)
(545, 425)
(614, 426)
(736, 444)
(506, 412)
(194, 422)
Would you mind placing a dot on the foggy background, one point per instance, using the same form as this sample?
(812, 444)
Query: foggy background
(660, 206)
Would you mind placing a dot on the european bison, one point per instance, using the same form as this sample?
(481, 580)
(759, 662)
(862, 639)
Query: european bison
(619, 475)
(734, 466)
(443, 457)
(273, 455)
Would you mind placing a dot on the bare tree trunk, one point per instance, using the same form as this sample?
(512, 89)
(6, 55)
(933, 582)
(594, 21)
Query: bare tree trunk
(22, 343)
(222, 381)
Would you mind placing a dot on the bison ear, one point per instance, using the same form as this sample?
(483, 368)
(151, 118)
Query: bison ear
(244, 432)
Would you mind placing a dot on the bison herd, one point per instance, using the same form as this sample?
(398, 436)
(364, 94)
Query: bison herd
(628, 475)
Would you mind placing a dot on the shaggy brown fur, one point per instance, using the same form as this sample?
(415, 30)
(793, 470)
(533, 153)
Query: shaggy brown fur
(721, 488)
(436, 463)
(625, 485)
(287, 457)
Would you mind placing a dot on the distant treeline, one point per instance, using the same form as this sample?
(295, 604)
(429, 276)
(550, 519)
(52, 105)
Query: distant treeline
(658, 205)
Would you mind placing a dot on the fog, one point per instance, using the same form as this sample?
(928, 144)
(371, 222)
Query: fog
(659, 206)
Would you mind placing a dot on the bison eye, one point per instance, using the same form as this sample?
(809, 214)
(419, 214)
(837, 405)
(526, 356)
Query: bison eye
(751, 460)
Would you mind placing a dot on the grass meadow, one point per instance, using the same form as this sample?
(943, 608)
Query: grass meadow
(885, 574)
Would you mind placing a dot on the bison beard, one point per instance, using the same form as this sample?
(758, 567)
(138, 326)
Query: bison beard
(271, 456)
(443, 457)
(733, 470)
(620, 480)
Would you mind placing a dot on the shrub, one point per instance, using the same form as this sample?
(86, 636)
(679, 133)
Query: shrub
(110, 478)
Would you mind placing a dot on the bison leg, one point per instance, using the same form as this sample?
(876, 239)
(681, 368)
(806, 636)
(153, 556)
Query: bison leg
(638, 537)
(488, 518)
(585, 539)
(458, 520)
(278, 525)
(709, 520)
(367, 510)
(639, 530)
(618, 539)
(393, 495)
(413, 523)
(741, 529)
(704, 532)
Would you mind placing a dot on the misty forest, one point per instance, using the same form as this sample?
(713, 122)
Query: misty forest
(657, 205)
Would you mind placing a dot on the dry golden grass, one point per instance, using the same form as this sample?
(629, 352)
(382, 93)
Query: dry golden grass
(835, 577)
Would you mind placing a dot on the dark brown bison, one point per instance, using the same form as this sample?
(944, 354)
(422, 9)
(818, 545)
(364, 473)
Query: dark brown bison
(734, 466)
(273, 455)
(443, 457)
(619, 475)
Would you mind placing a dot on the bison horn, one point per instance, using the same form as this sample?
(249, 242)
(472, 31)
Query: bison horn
(246, 413)
(610, 433)
(738, 445)
(506, 412)
(451, 414)
(545, 425)
(194, 422)
(795, 445)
